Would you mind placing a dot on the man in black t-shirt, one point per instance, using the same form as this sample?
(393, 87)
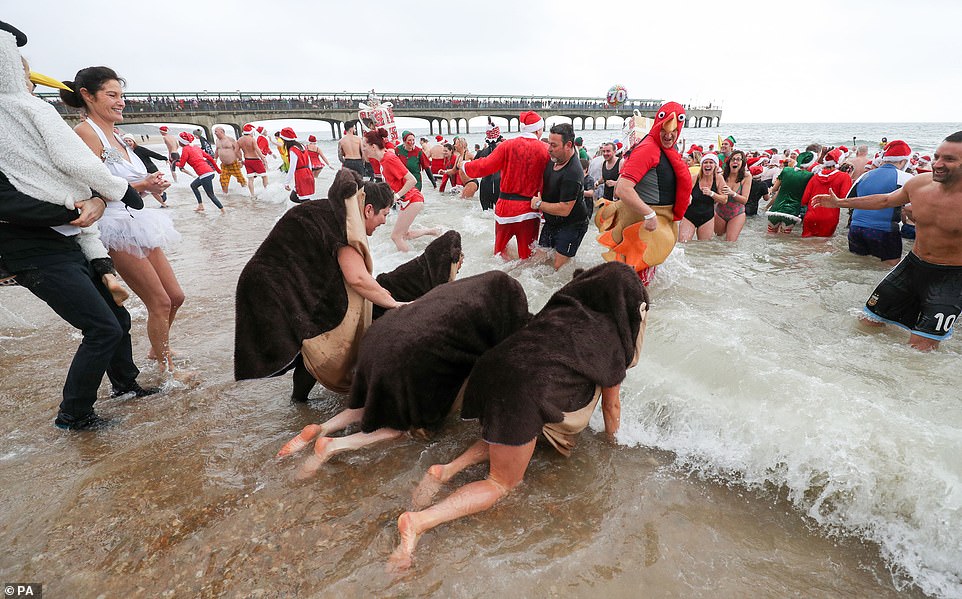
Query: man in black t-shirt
(562, 198)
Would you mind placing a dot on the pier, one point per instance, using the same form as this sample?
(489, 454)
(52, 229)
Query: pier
(452, 112)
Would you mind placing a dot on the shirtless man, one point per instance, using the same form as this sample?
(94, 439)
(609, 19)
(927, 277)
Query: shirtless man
(254, 161)
(227, 152)
(436, 156)
(173, 150)
(349, 149)
(924, 292)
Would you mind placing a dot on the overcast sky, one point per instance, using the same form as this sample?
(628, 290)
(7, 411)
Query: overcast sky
(814, 61)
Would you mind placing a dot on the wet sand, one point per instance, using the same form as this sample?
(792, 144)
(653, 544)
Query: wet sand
(183, 496)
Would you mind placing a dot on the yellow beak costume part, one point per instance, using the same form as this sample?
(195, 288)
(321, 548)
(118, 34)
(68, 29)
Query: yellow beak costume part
(41, 79)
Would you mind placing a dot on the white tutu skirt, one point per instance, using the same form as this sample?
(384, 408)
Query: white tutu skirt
(137, 232)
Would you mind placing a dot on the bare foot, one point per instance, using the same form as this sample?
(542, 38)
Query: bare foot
(301, 441)
(869, 322)
(436, 231)
(403, 556)
(117, 292)
(199, 208)
(153, 356)
(223, 210)
(428, 488)
(188, 378)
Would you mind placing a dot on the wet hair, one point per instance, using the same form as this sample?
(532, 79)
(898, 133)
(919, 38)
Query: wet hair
(565, 130)
(954, 138)
(376, 138)
(349, 124)
(814, 148)
(92, 79)
(728, 165)
(378, 195)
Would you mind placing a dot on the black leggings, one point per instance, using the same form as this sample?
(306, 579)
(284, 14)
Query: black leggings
(208, 183)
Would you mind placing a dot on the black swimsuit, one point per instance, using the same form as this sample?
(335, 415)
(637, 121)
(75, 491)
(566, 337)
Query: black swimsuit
(702, 207)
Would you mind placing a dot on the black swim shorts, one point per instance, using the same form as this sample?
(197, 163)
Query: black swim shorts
(924, 298)
(565, 239)
(355, 164)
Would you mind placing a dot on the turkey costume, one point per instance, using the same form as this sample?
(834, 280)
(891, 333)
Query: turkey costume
(522, 161)
(663, 181)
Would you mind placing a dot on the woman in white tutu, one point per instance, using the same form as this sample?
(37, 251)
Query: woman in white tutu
(135, 240)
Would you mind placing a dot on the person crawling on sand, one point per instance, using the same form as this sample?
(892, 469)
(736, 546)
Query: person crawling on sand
(531, 385)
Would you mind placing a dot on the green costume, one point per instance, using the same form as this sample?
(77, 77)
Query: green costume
(788, 203)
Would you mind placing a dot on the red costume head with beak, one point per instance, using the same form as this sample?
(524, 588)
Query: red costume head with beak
(668, 124)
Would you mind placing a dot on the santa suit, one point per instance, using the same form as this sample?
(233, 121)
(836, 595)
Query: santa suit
(300, 174)
(522, 161)
(822, 221)
(264, 145)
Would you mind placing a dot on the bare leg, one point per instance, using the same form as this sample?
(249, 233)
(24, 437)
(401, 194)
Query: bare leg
(327, 447)
(734, 228)
(159, 199)
(339, 422)
(560, 260)
(439, 474)
(117, 292)
(720, 225)
(508, 465)
(468, 191)
(402, 228)
(250, 186)
(686, 230)
(705, 231)
(140, 275)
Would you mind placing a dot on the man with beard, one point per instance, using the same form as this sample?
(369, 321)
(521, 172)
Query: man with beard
(923, 294)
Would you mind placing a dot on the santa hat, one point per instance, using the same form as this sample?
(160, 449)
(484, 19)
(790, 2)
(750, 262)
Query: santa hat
(185, 139)
(806, 159)
(896, 151)
(163, 129)
(287, 134)
(531, 121)
(311, 138)
(492, 132)
(261, 130)
(248, 129)
(710, 157)
(832, 158)
(927, 158)
(439, 138)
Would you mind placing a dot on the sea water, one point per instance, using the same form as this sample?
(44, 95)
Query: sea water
(770, 445)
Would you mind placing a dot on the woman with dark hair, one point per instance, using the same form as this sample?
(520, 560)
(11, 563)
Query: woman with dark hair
(730, 203)
(299, 172)
(305, 298)
(135, 240)
(403, 184)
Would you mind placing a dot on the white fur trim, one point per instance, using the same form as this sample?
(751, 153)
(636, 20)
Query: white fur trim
(532, 127)
(507, 220)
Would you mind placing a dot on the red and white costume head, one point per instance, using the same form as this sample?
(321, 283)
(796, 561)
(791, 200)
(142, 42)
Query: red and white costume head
(896, 151)
(248, 129)
(287, 134)
(531, 122)
(185, 138)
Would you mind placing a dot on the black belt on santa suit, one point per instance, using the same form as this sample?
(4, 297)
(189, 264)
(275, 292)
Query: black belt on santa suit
(515, 197)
